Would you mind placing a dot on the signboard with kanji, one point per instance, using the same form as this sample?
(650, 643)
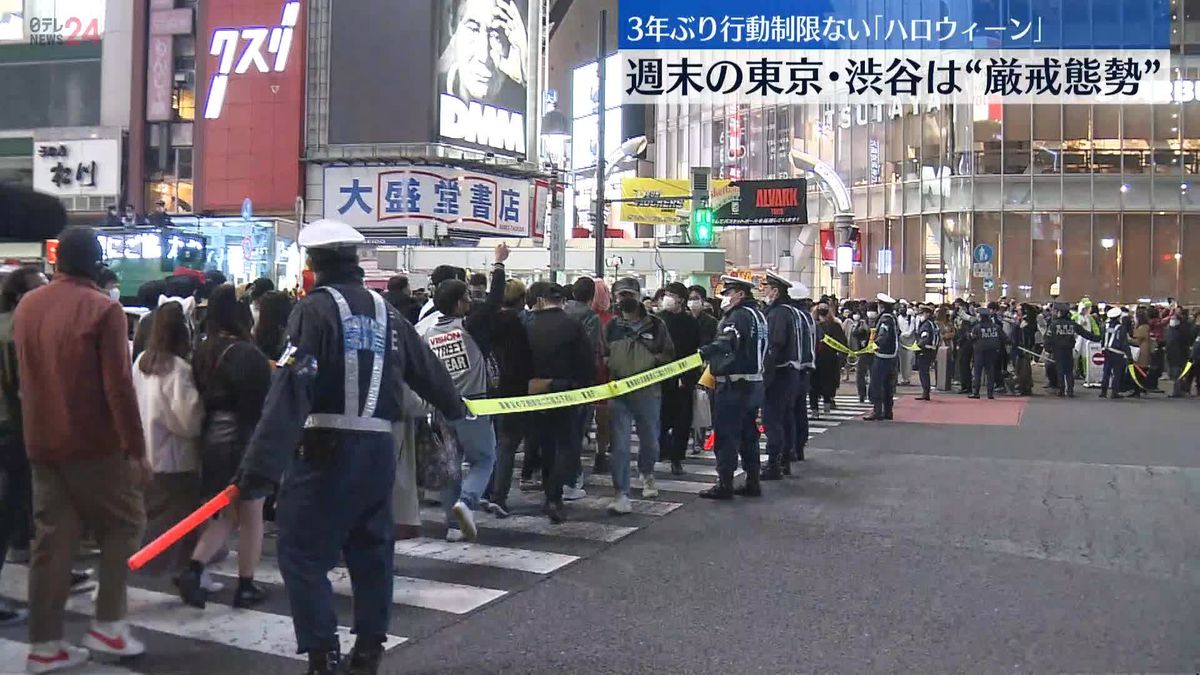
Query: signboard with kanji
(368, 197)
(66, 168)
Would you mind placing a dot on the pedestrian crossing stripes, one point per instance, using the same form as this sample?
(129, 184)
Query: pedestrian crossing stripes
(578, 529)
(12, 660)
(484, 555)
(246, 629)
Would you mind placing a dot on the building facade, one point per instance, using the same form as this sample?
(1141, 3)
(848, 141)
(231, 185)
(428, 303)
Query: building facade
(1098, 200)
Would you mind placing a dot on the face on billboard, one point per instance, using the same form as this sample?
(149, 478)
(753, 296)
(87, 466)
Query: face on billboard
(484, 49)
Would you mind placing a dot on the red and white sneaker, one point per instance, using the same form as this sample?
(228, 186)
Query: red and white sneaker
(113, 639)
(48, 657)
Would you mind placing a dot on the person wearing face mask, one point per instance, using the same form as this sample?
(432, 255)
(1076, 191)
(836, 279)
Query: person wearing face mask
(850, 314)
(699, 309)
(677, 392)
(1023, 343)
(825, 375)
(634, 341)
(736, 359)
(928, 338)
(860, 337)
(964, 321)
(1061, 334)
(109, 283)
(883, 366)
(1180, 335)
(1117, 354)
(781, 375)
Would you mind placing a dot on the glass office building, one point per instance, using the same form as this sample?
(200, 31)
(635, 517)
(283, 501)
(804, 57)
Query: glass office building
(1104, 199)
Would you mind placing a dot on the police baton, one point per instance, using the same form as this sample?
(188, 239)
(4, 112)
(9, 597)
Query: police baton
(1035, 355)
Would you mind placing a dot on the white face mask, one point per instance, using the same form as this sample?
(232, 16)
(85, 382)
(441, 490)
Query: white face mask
(669, 303)
(115, 294)
(1174, 322)
(726, 302)
(872, 315)
(856, 317)
(695, 305)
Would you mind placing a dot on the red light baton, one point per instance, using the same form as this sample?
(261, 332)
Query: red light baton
(179, 530)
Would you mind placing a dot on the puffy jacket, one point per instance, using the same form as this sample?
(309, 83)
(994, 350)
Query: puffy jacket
(632, 347)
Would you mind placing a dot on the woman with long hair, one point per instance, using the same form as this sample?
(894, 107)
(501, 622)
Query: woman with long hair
(172, 419)
(270, 328)
(232, 376)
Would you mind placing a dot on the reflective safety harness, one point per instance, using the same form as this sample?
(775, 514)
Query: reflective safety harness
(358, 335)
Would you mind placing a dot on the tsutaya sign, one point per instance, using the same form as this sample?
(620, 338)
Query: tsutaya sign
(276, 40)
(482, 124)
(861, 115)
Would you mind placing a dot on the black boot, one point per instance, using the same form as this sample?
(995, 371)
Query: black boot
(365, 657)
(248, 594)
(772, 472)
(188, 583)
(554, 511)
(785, 467)
(722, 490)
(600, 466)
(324, 663)
(676, 467)
(751, 488)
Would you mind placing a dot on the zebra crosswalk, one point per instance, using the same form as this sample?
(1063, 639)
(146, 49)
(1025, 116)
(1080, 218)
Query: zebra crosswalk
(436, 583)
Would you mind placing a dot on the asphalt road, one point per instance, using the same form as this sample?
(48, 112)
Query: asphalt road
(1069, 543)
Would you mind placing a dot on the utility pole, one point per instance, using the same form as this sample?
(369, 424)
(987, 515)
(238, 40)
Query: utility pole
(599, 227)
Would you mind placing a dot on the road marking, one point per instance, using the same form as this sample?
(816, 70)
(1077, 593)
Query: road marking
(13, 653)
(246, 629)
(576, 529)
(641, 507)
(689, 487)
(411, 591)
(470, 553)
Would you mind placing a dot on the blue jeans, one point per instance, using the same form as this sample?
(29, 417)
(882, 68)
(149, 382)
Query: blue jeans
(641, 406)
(477, 442)
(333, 510)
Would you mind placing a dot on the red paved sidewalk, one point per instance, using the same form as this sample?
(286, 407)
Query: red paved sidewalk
(958, 409)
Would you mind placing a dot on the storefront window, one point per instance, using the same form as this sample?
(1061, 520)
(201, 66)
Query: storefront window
(1047, 135)
(1106, 138)
(1163, 257)
(1137, 126)
(1135, 257)
(987, 135)
(1016, 142)
(1105, 245)
(1077, 255)
(1077, 141)
(1046, 243)
(1190, 262)
(1190, 152)
(1015, 255)
(987, 231)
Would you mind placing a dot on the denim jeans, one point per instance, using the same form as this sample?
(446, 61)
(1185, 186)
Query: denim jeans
(510, 431)
(477, 441)
(643, 407)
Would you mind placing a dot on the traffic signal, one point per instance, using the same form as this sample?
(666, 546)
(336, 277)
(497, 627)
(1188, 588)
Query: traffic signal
(702, 226)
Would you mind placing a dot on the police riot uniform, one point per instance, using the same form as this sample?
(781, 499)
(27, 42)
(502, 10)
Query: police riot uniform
(883, 366)
(1061, 332)
(781, 383)
(929, 338)
(1117, 356)
(326, 429)
(988, 339)
(736, 360)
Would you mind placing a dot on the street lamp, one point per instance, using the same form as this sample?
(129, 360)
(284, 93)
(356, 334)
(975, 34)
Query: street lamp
(1107, 243)
(554, 133)
(632, 147)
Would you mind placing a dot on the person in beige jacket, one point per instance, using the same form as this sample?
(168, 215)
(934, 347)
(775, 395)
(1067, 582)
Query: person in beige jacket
(172, 420)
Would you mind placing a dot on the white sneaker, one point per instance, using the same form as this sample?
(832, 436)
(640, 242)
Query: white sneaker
(48, 657)
(649, 487)
(113, 639)
(571, 493)
(209, 584)
(620, 506)
(466, 519)
(454, 535)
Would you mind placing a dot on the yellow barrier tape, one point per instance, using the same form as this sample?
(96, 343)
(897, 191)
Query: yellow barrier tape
(837, 346)
(1133, 374)
(1186, 369)
(600, 392)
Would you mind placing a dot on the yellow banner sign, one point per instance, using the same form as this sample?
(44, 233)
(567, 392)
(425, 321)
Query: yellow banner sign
(658, 199)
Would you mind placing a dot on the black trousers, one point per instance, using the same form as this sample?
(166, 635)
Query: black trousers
(965, 356)
(883, 385)
(985, 365)
(560, 449)
(510, 431)
(15, 492)
(675, 420)
(777, 409)
(1114, 370)
(801, 407)
(924, 359)
(862, 372)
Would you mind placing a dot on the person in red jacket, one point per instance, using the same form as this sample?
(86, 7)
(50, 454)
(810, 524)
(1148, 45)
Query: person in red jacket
(86, 450)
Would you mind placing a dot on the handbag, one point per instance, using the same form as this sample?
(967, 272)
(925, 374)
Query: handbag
(436, 454)
(701, 411)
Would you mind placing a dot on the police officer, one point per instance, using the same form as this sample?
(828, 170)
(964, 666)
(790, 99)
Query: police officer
(1117, 354)
(929, 338)
(1061, 332)
(809, 337)
(860, 337)
(883, 366)
(736, 359)
(988, 339)
(781, 376)
(326, 428)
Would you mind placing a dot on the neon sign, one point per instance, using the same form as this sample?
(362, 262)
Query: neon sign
(224, 45)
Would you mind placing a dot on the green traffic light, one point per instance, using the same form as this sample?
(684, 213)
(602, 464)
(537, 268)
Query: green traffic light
(702, 226)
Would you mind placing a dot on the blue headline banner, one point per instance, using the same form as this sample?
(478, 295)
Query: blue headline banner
(895, 24)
